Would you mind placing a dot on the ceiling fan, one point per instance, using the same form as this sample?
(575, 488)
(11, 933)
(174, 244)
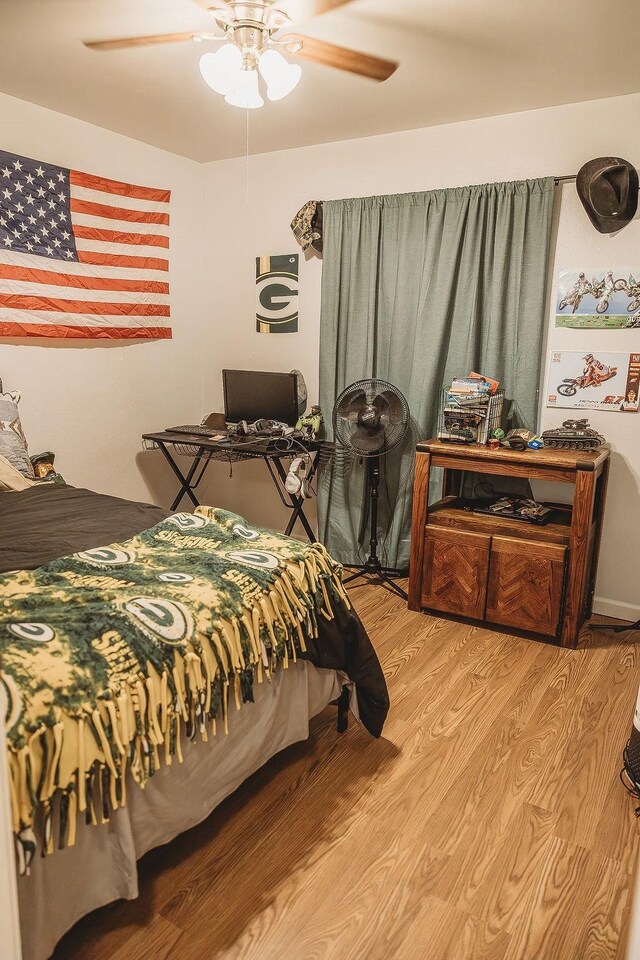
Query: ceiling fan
(255, 31)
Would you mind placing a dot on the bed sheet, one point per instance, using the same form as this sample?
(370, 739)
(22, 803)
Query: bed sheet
(101, 867)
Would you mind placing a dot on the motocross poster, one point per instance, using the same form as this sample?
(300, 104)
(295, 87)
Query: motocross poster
(603, 298)
(594, 381)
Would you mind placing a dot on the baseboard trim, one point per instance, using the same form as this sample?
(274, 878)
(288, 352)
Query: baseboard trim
(617, 609)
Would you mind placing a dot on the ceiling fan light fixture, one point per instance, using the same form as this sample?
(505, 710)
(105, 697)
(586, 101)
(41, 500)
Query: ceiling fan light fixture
(221, 70)
(280, 76)
(246, 92)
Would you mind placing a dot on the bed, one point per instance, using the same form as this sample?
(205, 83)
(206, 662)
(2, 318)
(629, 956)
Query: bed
(47, 522)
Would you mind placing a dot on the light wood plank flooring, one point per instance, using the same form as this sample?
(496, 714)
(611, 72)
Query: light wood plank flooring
(487, 824)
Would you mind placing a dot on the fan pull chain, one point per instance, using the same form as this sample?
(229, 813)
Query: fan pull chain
(247, 158)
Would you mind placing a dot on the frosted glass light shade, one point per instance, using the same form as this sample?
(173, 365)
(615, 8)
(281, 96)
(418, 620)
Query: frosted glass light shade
(222, 68)
(280, 76)
(246, 92)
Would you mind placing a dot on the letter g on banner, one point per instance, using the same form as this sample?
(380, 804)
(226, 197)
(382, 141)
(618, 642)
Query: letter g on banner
(277, 294)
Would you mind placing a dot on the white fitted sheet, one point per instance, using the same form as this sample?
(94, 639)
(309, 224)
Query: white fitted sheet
(101, 867)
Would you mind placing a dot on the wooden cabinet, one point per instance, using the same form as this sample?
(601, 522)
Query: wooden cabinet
(525, 583)
(537, 579)
(455, 571)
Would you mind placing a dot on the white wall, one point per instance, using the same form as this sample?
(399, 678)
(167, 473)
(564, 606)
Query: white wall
(91, 402)
(553, 141)
(579, 245)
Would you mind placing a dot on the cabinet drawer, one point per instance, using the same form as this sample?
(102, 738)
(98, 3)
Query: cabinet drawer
(456, 565)
(525, 584)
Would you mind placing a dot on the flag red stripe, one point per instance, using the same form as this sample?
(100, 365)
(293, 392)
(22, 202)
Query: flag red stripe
(116, 236)
(118, 187)
(18, 301)
(116, 260)
(84, 333)
(8, 272)
(117, 213)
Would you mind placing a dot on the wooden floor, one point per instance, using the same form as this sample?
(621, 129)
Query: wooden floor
(487, 824)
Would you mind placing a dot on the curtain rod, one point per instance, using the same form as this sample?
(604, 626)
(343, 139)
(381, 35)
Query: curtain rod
(572, 176)
(565, 179)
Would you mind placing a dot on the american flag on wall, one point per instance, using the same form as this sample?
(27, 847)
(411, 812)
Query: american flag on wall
(81, 256)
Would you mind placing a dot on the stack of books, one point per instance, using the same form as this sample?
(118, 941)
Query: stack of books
(469, 387)
(465, 408)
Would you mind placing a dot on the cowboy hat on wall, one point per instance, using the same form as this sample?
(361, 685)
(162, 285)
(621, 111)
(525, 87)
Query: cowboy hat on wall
(608, 189)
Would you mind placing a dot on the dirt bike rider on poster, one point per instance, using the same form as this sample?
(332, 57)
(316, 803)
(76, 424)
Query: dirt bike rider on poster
(595, 372)
(609, 287)
(581, 286)
(580, 289)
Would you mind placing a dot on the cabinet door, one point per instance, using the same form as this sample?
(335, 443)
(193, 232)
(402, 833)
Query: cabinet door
(455, 570)
(525, 584)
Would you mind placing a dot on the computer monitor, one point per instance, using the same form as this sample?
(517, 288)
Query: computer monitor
(260, 395)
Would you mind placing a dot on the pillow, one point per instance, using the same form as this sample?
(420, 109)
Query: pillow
(12, 479)
(13, 445)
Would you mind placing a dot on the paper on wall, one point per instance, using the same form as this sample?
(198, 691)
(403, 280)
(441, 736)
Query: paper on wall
(594, 381)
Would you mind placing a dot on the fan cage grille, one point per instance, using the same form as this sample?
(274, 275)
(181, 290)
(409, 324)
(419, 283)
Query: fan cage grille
(344, 430)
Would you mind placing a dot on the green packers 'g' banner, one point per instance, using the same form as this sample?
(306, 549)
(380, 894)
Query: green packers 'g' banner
(106, 655)
(277, 294)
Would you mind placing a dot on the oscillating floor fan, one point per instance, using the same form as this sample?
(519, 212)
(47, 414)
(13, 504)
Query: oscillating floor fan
(370, 419)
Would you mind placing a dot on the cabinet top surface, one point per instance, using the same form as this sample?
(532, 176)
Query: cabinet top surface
(561, 459)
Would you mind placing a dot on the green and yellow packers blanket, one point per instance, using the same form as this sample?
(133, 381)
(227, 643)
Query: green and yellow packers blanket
(108, 655)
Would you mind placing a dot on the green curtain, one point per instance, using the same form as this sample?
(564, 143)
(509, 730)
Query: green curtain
(416, 289)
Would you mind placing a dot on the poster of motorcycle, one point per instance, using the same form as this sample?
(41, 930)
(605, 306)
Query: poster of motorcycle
(605, 299)
(594, 381)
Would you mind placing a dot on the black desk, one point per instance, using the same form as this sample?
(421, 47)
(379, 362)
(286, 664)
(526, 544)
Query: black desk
(202, 450)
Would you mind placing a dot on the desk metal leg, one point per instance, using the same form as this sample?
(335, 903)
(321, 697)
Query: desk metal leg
(186, 485)
(299, 507)
(279, 476)
(297, 511)
(296, 504)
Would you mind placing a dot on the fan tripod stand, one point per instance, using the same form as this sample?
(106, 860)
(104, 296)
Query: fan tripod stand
(617, 628)
(372, 566)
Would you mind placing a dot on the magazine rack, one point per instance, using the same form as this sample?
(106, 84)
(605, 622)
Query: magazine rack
(479, 418)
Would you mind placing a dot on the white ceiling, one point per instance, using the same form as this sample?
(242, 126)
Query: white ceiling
(461, 59)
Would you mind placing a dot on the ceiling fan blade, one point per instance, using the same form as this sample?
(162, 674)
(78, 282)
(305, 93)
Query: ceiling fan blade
(300, 10)
(149, 41)
(342, 58)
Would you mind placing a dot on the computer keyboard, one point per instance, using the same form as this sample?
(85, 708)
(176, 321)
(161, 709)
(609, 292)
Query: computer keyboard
(197, 430)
